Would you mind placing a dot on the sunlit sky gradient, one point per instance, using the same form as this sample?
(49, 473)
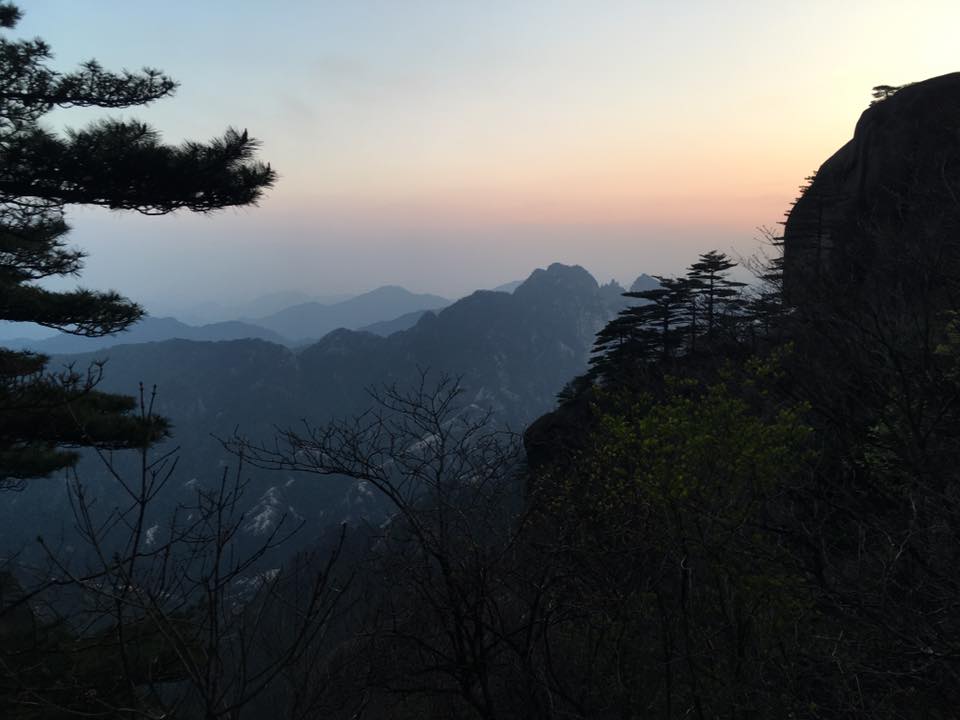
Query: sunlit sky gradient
(450, 145)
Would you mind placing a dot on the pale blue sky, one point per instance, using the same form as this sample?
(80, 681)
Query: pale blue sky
(450, 145)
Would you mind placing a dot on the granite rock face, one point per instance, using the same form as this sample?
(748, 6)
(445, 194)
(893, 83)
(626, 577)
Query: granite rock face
(884, 210)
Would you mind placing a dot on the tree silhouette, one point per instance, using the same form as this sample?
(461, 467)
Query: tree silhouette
(653, 330)
(712, 289)
(671, 319)
(120, 165)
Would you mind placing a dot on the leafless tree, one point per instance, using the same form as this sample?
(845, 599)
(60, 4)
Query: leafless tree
(156, 614)
(454, 619)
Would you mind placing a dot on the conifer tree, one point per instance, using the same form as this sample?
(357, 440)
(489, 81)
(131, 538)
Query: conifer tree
(664, 313)
(766, 308)
(121, 165)
(716, 293)
(652, 330)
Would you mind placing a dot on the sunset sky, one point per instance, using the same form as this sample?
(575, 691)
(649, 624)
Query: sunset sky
(451, 145)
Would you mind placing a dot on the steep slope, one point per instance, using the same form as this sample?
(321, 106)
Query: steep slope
(884, 206)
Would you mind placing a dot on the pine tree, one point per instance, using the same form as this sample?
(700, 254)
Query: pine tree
(621, 343)
(714, 291)
(766, 309)
(650, 331)
(113, 164)
(664, 313)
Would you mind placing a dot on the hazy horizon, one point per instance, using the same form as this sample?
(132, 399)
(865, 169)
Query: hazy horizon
(445, 147)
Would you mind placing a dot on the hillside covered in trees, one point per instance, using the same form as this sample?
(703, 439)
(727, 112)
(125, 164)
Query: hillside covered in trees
(761, 506)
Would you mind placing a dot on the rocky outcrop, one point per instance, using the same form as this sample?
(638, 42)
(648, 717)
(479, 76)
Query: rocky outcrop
(885, 208)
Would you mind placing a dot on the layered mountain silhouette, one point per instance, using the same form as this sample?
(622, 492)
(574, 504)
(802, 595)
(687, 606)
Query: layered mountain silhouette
(513, 351)
(149, 329)
(385, 310)
(516, 350)
(508, 287)
(211, 311)
(385, 328)
(313, 320)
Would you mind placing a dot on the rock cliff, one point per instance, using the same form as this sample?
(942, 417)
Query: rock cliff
(884, 210)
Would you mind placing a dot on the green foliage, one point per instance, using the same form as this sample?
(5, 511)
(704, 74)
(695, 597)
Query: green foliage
(666, 517)
(699, 441)
(772, 536)
(719, 445)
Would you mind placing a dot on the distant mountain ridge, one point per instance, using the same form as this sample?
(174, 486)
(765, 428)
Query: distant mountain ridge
(386, 328)
(508, 287)
(513, 351)
(211, 311)
(385, 310)
(150, 329)
(314, 320)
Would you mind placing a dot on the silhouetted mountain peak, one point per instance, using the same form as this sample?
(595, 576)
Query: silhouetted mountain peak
(643, 283)
(313, 320)
(572, 279)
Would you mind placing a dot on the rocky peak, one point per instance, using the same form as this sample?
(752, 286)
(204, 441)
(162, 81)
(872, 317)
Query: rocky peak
(885, 202)
(568, 279)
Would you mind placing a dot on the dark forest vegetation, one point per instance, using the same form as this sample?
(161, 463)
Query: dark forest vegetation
(747, 507)
(765, 520)
(162, 614)
(121, 165)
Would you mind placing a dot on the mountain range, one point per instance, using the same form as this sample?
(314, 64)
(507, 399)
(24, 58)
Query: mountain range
(147, 330)
(385, 310)
(513, 351)
(212, 311)
(313, 320)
